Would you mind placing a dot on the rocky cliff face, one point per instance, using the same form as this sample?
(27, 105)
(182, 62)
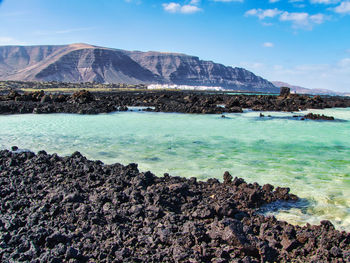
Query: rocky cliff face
(82, 62)
(189, 70)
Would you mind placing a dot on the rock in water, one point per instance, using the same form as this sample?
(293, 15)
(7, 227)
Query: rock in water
(312, 116)
(14, 148)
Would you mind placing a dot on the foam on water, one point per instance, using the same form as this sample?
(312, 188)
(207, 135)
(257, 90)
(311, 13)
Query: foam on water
(310, 157)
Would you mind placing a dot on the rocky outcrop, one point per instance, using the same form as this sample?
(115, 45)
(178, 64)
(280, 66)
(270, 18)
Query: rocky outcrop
(83, 63)
(82, 102)
(284, 92)
(85, 102)
(312, 116)
(70, 209)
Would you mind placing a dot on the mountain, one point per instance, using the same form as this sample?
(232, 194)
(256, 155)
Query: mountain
(87, 63)
(301, 90)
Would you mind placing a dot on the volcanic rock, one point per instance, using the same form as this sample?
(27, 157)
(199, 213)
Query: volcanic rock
(312, 116)
(71, 209)
(84, 102)
(284, 92)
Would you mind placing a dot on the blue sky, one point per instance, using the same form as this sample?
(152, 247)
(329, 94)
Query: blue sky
(302, 42)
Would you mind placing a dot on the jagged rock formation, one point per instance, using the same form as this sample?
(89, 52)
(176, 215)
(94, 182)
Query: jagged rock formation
(84, 102)
(86, 63)
(70, 209)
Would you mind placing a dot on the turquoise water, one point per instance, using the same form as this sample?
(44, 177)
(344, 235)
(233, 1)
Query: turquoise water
(310, 157)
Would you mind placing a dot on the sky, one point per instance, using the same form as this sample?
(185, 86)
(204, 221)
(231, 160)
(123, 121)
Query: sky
(301, 42)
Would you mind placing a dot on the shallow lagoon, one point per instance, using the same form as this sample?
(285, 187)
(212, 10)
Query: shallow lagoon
(310, 157)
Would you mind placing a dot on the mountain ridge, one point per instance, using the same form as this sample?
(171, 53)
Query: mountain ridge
(82, 62)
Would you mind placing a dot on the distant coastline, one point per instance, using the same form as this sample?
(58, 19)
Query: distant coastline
(93, 98)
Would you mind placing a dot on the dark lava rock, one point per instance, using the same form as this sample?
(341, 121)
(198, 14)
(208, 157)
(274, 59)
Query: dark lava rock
(312, 116)
(70, 209)
(227, 178)
(82, 96)
(14, 148)
(45, 99)
(284, 91)
(84, 102)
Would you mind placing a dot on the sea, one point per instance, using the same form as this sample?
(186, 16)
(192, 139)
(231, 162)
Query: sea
(312, 158)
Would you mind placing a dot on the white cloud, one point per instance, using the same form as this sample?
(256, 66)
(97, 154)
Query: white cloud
(343, 8)
(262, 14)
(297, 3)
(190, 9)
(134, 1)
(300, 5)
(318, 18)
(267, 24)
(252, 12)
(302, 19)
(172, 7)
(184, 9)
(227, 1)
(298, 19)
(268, 44)
(273, 1)
(344, 63)
(327, 2)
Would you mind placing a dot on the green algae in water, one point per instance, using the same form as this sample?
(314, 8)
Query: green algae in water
(310, 157)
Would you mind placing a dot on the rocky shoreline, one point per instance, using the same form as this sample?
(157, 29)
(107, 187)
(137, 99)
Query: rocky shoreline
(84, 102)
(70, 209)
